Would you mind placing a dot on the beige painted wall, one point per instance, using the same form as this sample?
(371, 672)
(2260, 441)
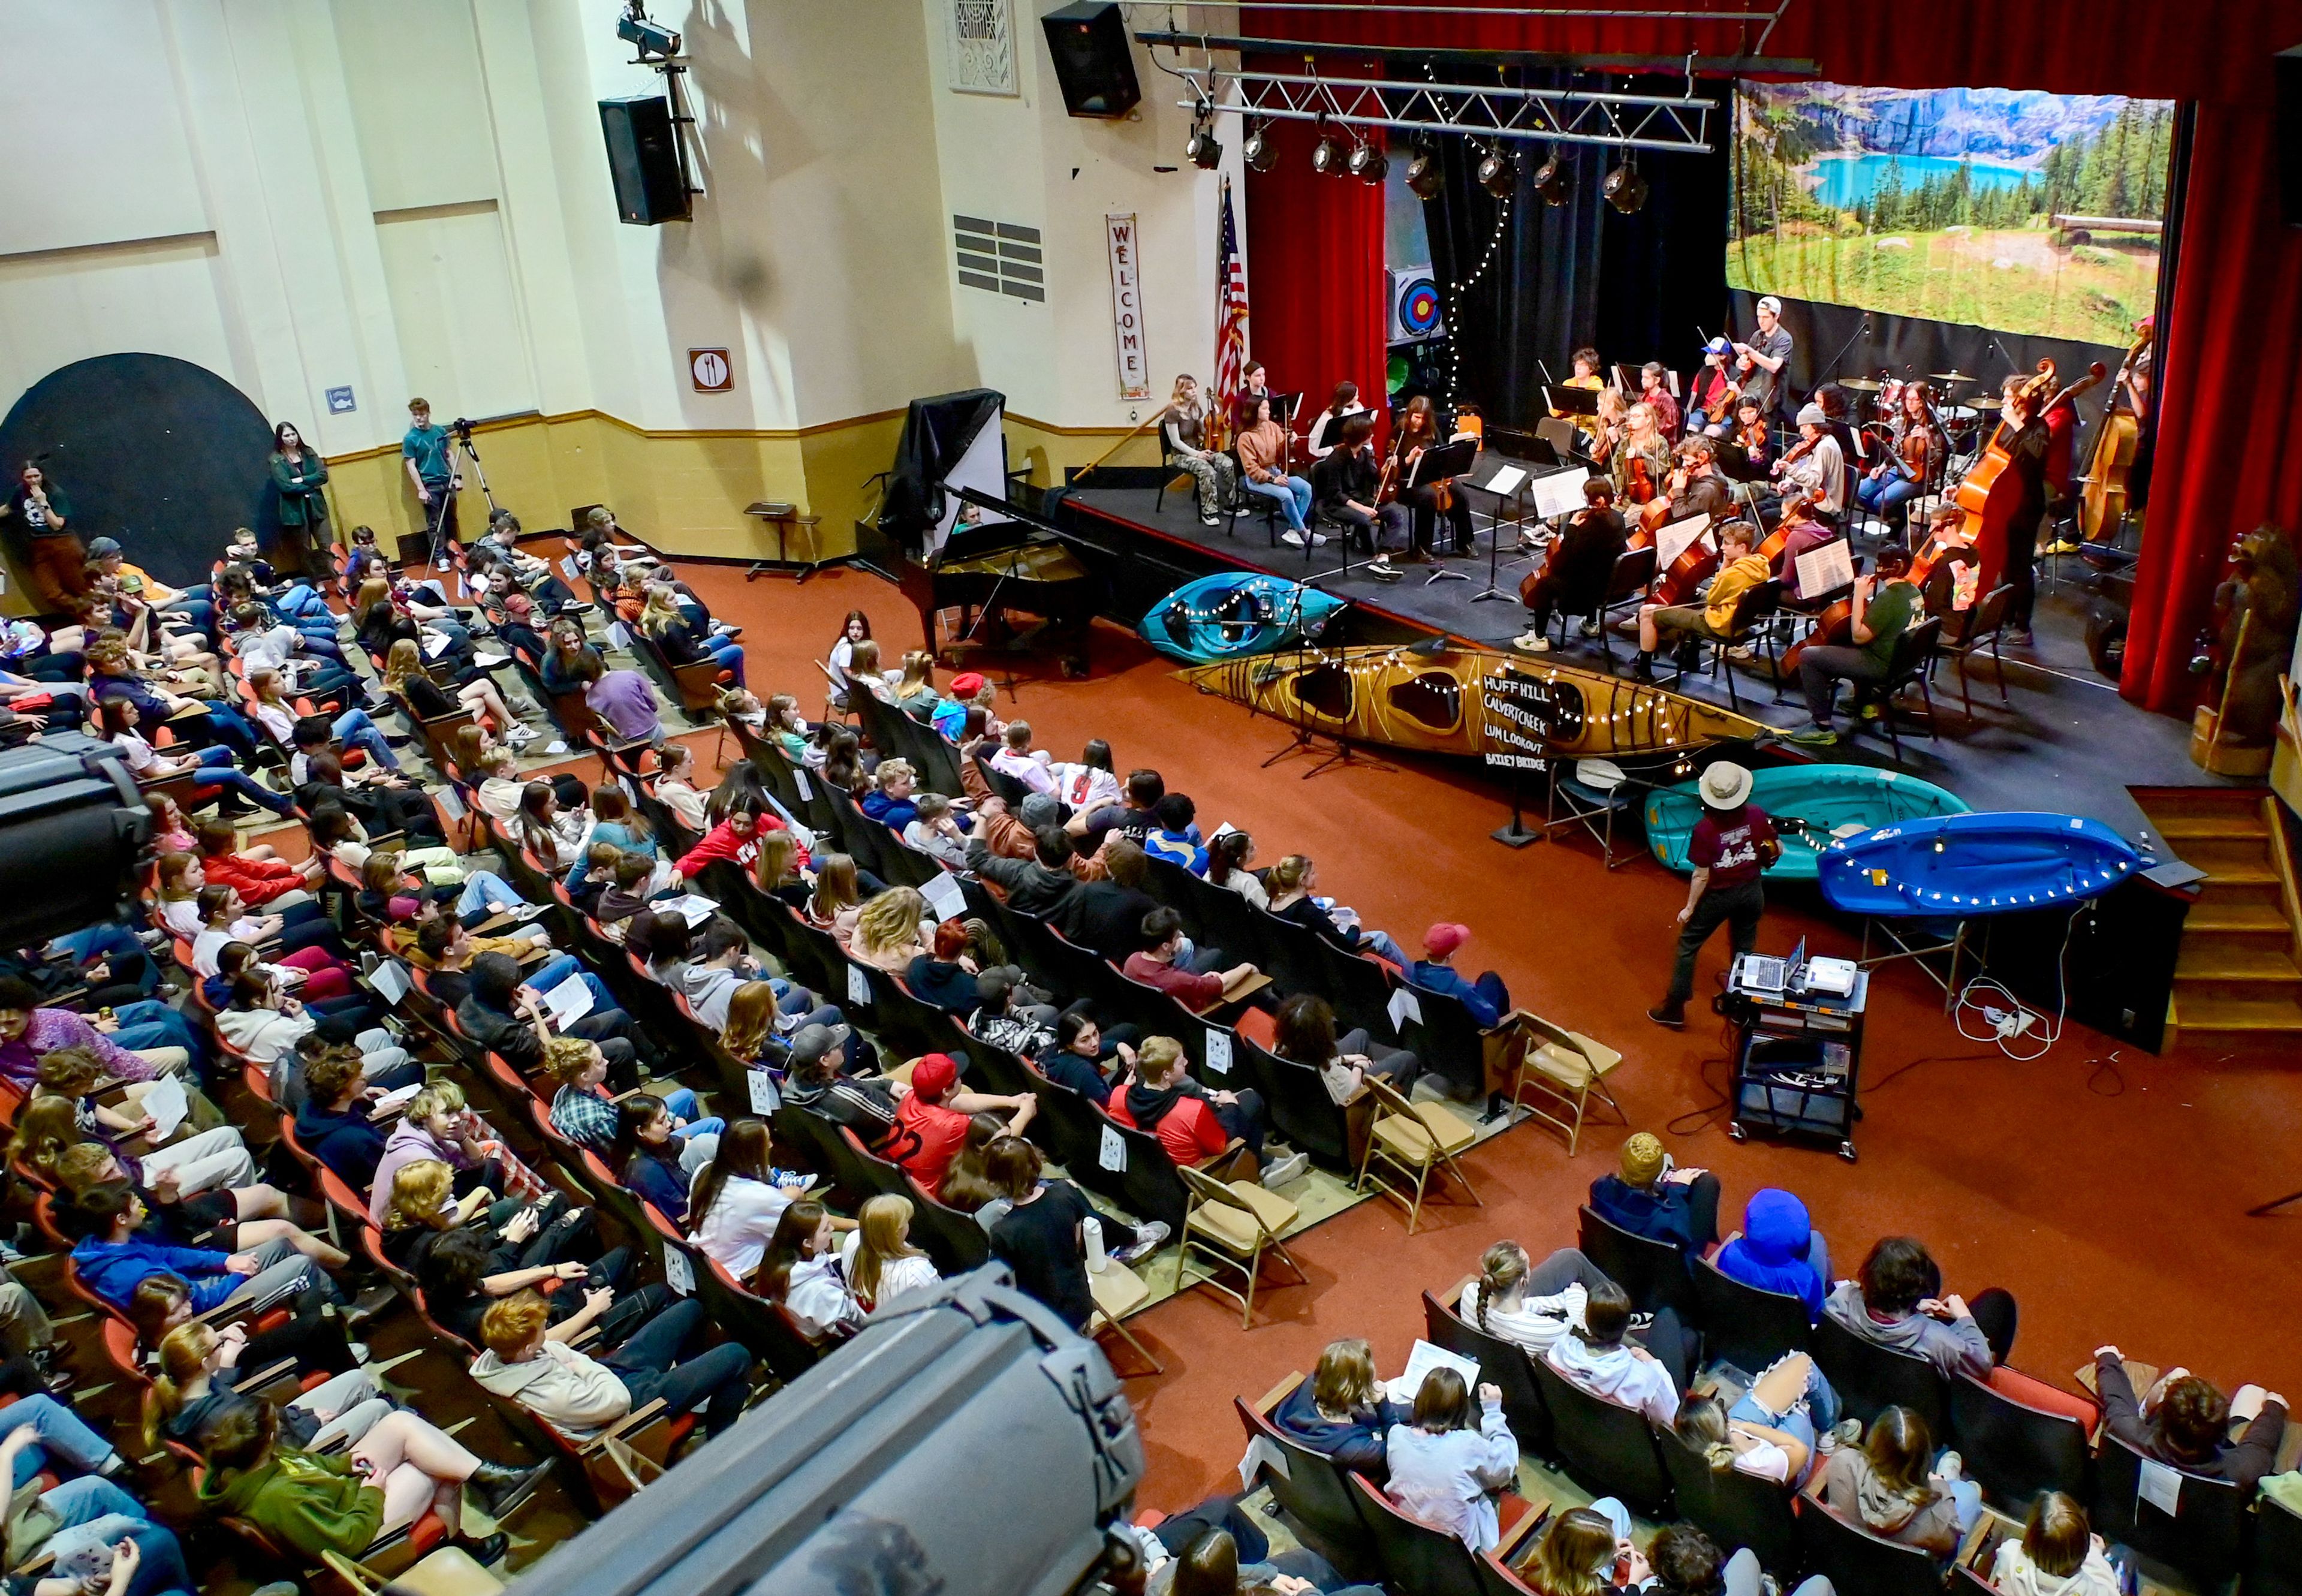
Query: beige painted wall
(404, 196)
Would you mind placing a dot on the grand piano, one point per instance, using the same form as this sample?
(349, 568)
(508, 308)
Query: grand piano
(989, 571)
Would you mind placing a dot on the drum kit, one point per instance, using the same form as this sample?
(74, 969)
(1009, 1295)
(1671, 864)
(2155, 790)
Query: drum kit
(1959, 420)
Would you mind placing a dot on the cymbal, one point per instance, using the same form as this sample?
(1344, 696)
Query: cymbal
(1948, 376)
(1984, 401)
(1862, 384)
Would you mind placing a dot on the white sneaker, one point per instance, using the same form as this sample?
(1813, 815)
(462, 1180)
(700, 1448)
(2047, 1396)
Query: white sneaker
(1148, 1236)
(1533, 643)
(1950, 1466)
(1294, 540)
(1318, 540)
(1211, 520)
(520, 736)
(1286, 1169)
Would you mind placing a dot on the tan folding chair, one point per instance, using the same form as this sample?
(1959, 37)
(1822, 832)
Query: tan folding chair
(1416, 1139)
(1233, 1224)
(1568, 1067)
(446, 1571)
(1118, 1291)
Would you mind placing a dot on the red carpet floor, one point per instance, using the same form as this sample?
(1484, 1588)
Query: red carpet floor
(2104, 1187)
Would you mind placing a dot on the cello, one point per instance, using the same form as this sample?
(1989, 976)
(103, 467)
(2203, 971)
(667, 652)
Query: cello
(2102, 504)
(1992, 492)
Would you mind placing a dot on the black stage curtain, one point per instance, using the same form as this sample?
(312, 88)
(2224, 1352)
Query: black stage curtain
(1564, 276)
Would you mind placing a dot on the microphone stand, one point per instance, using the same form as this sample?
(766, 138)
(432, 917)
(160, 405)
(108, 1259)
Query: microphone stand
(1861, 332)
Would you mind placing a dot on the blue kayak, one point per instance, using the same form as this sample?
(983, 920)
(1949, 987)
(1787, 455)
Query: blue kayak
(1811, 804)
(1959, 866)
(1234, 615)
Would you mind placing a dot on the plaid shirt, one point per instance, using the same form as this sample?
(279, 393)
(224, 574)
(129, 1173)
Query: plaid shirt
(585, 1118)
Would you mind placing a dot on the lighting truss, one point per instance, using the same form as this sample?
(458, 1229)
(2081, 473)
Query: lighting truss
(1556, 115)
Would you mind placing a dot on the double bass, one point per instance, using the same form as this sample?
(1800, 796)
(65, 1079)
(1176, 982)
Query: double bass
(2102, 504)
(1992, 492)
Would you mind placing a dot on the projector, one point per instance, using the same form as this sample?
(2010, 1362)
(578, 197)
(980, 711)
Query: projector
(1835, 977)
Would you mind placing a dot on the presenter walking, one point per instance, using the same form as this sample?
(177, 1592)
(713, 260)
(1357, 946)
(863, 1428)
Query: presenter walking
(429, 454)
(1733, 843)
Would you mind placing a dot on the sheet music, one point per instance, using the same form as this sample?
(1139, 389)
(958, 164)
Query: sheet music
(1421, 1361)
(1560, 493)
(1505, 483)
(1677, 538)
(1826, 567)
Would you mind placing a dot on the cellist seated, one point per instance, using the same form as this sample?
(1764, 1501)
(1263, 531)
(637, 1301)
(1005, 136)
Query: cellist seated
(1740, 570)
(1885, 605)
(1801, 533)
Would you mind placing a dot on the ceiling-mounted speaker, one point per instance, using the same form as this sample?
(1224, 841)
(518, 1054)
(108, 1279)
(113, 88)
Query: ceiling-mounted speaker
(1093, 62)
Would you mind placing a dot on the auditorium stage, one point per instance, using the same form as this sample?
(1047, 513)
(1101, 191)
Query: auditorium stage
(2068, 744)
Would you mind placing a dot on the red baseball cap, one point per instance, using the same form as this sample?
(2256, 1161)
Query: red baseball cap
(1445, 937)
(967, 685)
(935, 1075)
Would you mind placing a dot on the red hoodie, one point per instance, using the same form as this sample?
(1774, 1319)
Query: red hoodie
(256, 881)
(721, 842)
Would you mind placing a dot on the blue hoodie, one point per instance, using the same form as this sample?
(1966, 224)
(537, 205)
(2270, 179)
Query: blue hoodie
(1771, 1252)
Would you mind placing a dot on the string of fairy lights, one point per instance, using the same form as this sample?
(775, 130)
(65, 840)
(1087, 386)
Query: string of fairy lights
(1458, 288)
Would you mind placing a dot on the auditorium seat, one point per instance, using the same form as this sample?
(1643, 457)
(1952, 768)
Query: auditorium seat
(1853, 1559)
(1744, 1324)
(2204, 1537)
(2014, 1450)
(1313, 1494)
(1732, 1507)
(1504, 1365)
(1653, 1272)
(1609, 1447)
(1870, 1378)
(1426, 1561)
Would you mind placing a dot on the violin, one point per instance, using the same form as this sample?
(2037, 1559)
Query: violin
(1791, 455)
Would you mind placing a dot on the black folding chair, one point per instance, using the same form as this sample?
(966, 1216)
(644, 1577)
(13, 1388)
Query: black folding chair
(1653, 1272)
(1743, 1324)
(1732, 1507)
(1605, 1446)
(2204, 1537)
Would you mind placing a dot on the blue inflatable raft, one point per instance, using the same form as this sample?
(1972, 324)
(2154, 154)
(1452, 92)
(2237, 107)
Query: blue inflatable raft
(1960, 866)
(1234, 615)
(1813, 805)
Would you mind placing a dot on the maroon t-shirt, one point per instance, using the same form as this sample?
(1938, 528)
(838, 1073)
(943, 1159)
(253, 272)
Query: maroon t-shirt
(1728, 846)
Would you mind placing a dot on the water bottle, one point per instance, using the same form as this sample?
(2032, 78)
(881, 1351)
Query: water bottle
(1098, 1260)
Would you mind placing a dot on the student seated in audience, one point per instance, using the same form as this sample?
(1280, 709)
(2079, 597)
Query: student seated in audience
(647, 1155)
(1090, 782)
(1229, 853)
(684, 641)
(506, 1018)
(199, 1368)
(1036, 886)
(200, 1152)
(945, 975)
(738, 1197)
(937, 831)
(222, 917)
(1018, 761)
(1743, 1445)
(1894, 1304)
(446, 951)
(1011, 834)
(1041, 1234)
(1778, 1249)
(212, 767)
(1133, 815)
(1450, 1462)
(967, 1184)
(1074, 1058)
(1175, 834)
(1600, 1358)
(777, 871)
(1107, 916)
(1341, 1411)
(28, 1031)
(1198, 1126)
(676, 789)
(528, 1361)
(1025, 1030)
(2185, 1421)
(319, 1502)
(1579, 1552)
(1292, 883)
(584, 1113)
(1649, 1198)
(260, 883)
(630, 883)
(887, 932)
(1529, 1304)
(837, 903)
(1304, 1033)
(337, 1124)
(440, 1125)
(735, 838)
(1212, 1564)
(891, 801)
(337, 831)
(554, 837)
(87, 1513)
(1195, 977)
(2058, 1555)
(1487, 998)
(379, 798)
(816, 1082)
(877, 1253)
(722, 967)
(313, 1335)
(1686, 1562)
(800, 1270)
(931, 1119)
(614, 820)
(112, 1258)
(521, 1235)
(1893, 1486)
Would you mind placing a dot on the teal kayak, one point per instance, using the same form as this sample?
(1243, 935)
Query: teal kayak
(1233, 614)
(1811, 806)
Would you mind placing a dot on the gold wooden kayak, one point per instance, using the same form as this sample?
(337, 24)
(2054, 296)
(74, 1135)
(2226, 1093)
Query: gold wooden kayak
(1464, 701)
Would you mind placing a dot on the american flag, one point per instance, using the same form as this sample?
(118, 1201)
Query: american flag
(1230, 324)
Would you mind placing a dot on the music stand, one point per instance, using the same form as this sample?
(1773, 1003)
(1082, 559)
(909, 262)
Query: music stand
(1515, 497)
(1437, 463)
(1571, 401)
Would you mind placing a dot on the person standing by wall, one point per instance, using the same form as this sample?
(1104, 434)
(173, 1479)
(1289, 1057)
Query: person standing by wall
(428, 453)
(58, 562)
(301, 476)
(1733, 843)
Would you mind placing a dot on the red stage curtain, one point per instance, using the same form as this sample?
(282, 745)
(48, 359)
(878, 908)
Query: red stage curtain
(2229, 435)
(2227, 453)
(1315, 276)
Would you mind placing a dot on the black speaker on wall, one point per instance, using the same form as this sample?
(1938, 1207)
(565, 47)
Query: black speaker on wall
(1088, 42)
(2288, 67)
(643, 157)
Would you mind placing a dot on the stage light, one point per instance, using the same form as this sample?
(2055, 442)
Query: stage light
(1624, 188)
(1423, 174)
(651, 39)
(1368, 163)
(1258, 149)
(1497, 175)
(1327, 155)
(1202, 149)
(1554, 179)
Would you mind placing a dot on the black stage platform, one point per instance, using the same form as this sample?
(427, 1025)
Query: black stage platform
(2068, 744)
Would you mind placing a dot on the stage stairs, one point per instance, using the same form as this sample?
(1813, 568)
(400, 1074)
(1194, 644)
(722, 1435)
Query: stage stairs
(2239, 968)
